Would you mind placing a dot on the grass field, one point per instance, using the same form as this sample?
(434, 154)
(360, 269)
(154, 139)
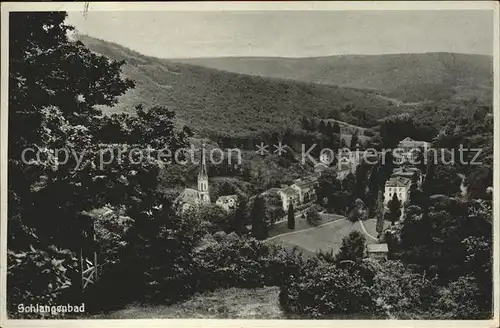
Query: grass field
(301, 224)
(326, 237)
(232, 303)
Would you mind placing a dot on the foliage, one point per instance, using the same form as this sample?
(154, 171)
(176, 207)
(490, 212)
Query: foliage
(291, 217)
(450, 240)
(394, 212)
(50, 276)
(352, 248)
(459, 300)
(322, 289)
(55, 92)
(258, 217)
(400, 292)
(227, 260)
(214, 216)
(266, 106)
(312, 216)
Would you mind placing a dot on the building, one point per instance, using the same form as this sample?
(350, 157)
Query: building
(377, 251)
(409, 173)
(320, 167)
(408, 149)
(229, 202)
(347, 162)
(289, 196)
(343, 170)
(399, 186)
(305, 188)
(191, 197)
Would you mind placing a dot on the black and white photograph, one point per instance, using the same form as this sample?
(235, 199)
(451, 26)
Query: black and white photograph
(227, 161)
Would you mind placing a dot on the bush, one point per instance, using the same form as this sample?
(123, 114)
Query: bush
(232, 261)
(458, 300)
(369, 133)
(39, 276)
(322, 290)
(313, 217)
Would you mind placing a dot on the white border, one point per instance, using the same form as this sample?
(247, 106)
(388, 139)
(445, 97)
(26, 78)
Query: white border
(237, 6)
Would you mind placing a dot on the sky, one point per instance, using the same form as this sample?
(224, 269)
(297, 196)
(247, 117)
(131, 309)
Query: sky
(190, 34)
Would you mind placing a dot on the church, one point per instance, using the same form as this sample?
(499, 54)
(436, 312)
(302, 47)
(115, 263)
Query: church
(191, 197)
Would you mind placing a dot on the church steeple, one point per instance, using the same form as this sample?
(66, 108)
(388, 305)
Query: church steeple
(203, 190)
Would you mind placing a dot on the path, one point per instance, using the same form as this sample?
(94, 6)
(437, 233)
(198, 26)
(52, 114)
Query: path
(365, 231)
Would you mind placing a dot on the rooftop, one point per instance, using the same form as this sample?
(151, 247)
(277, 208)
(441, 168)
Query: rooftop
(398, 181)
(289, 191)
(305, 182)
(189, 196)
(225, 198)
(377, 248)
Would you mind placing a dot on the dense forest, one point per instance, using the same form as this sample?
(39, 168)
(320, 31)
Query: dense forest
(149, 252)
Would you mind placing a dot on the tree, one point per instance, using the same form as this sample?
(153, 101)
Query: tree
(336, 128)
(354, 140)
(343, 143)
(291, 217)
(361, 176)
(395, 128)
(358, 211)
(322, 126)
(394, 206)
(442, 179)
(238, 218)
(56, 86)
(215, 217)
(352, 248)
(349, 183)
(379, 212)
(258, 217)
(312, 216)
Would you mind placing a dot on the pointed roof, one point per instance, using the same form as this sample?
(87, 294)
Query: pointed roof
(203, 165)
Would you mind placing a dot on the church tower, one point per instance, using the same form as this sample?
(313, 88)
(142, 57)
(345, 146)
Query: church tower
(203, 192)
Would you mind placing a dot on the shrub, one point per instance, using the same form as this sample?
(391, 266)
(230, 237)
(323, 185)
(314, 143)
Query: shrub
(232, 261)
(322, 290)
(369, 133)
(39, 276)
(313, 217)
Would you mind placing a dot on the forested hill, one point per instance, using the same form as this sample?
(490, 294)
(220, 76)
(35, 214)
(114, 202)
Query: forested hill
(407, 77)
(209, 100)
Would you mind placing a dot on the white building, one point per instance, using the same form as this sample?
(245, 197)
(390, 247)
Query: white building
(408, 149)
(228, 202)
(305, 188)
(399, 186)
(289, 196)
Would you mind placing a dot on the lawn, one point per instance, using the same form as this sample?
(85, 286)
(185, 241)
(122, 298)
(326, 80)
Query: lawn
(326, 237)
(301, 224)
(232, 303)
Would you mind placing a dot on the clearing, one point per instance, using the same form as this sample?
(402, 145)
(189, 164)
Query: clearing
(327, 236)
(232, 303)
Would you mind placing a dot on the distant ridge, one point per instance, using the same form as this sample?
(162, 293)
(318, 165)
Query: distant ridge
(408, 77)
(215, 101)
